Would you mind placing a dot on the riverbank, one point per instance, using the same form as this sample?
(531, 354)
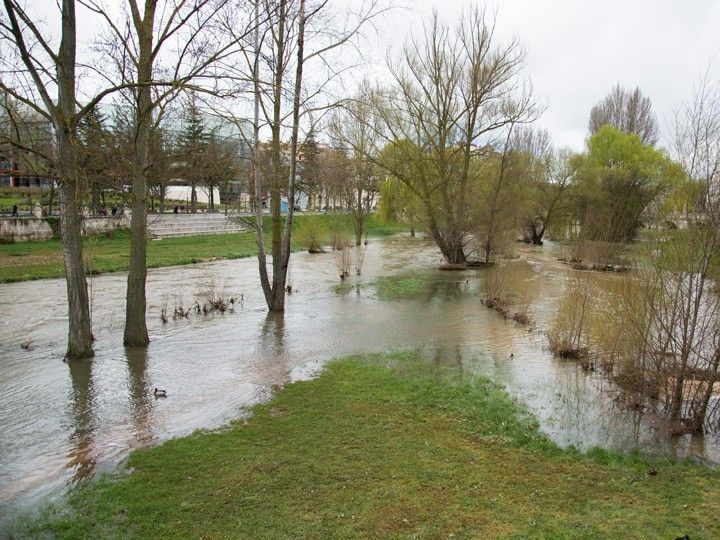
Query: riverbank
(389, 445)
(41, 260)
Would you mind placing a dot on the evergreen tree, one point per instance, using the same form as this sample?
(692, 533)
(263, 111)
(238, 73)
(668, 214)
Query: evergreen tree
(309, 175)
(95, 156)
(192, 149)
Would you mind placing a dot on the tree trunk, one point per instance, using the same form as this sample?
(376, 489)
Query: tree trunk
(537, 236)
(359, 219)
(280, 275)
(95, 199)
(136, 333)
(257, 180)
(452, 251)
(701, 412)
(277, 302)
(80, 336)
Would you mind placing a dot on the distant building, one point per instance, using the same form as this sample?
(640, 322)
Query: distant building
(12, 176)
(181, 192)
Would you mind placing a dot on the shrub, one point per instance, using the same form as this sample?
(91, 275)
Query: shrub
(311, 233)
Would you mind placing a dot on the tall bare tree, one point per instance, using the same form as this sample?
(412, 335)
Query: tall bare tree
(355, 125)
(35, 71)
(282, 97)
(630, 111)
(184, 33)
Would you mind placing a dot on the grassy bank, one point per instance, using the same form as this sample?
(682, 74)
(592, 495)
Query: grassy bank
(39, 260)
(368, 450)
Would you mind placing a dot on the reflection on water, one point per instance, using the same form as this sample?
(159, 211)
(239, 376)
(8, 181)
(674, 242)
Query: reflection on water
(140, 392)
(61, 422)
(80, 457)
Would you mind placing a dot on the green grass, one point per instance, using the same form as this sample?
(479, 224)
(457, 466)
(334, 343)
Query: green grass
(387, 446)
(38, 260)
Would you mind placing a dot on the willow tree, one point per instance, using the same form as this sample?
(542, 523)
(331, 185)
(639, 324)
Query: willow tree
(618, 178)
(456, 93)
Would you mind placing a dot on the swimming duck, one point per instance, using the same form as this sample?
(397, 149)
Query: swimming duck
(159, 393)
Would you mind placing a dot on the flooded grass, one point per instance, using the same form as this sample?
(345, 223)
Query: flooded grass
(343, 288)
(388, 445)
(388, 287)
(392, 287)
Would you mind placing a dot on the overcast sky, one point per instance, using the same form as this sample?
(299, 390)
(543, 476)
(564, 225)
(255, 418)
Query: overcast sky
(577, 50)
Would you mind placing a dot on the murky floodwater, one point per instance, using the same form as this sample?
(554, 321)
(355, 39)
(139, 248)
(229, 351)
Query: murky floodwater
(60, 423)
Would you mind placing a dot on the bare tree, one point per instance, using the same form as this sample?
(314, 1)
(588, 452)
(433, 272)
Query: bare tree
(355, 125)
(186, 33)
(628, 111)
(35, 71)
(546, 176)
(333, 172)
(697, 141)
(282, 96)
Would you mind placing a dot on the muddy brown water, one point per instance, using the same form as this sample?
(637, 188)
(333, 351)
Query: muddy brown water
(60, 423)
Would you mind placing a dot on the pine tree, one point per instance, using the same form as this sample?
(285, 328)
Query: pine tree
(193, 144)
(309, 171)
(95, 156)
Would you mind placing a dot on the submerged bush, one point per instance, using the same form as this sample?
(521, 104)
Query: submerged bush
(312, 232)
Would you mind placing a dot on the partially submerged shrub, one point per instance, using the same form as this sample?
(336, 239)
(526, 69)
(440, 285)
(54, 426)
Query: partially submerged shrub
(311, 233)
(594, 255)
(568, 335)
(564, 348)
(522, 317)
(206, 302)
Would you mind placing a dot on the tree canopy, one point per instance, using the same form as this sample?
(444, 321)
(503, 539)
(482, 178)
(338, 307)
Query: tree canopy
(619, 177)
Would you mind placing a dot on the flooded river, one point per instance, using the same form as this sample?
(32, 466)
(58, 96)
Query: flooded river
(61, 423)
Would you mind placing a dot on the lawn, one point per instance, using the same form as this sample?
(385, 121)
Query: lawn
(387, 446)
(37, 260)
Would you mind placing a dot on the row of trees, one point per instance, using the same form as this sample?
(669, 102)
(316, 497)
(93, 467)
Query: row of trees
(658, 329)
(520, 185)
(452, 135)
(184, 149)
